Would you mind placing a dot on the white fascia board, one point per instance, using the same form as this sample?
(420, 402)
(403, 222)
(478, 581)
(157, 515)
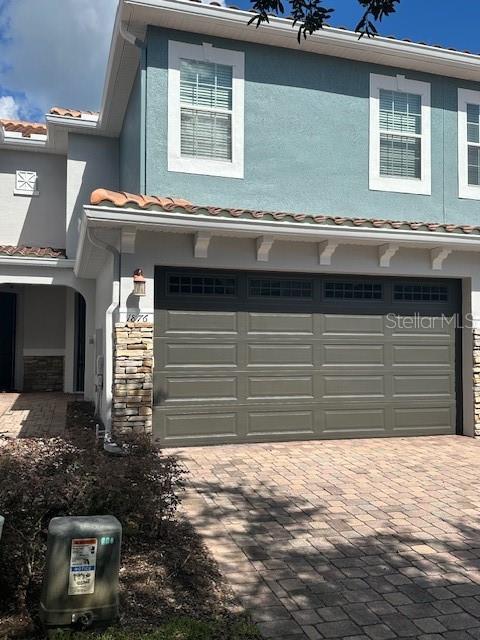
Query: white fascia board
(71, 122)
(27, 261)
(181, 222)
(232, 23)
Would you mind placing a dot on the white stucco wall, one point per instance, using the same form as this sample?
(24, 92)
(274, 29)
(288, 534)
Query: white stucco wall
(33, 220)
(92, 163)
(103, 301)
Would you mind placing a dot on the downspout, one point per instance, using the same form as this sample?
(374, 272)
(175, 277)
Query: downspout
(108, 443)
(136, 42)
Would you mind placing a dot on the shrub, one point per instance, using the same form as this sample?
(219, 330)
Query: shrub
(42, 479)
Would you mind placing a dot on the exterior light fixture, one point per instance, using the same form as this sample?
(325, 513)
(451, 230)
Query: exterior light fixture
(139, 288)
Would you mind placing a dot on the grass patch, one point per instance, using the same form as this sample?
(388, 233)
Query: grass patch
(181, 628)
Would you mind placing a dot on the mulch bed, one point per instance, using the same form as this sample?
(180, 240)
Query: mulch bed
(173, 575)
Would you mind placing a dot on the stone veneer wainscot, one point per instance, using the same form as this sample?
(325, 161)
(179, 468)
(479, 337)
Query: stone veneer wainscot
(132, 378)
(476, 380)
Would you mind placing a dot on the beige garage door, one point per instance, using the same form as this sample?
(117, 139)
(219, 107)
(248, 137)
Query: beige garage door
(248, 357)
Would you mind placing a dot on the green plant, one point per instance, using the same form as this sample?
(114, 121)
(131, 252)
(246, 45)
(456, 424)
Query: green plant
(42, 479)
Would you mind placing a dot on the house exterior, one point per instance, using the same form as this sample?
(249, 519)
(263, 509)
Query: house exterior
(307, 266)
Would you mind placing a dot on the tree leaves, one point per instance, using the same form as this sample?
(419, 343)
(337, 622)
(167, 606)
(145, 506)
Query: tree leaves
(312, 15)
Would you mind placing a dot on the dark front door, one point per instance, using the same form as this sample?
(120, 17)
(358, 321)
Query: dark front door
(7, 340)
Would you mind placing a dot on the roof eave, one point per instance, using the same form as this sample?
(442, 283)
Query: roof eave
(165, 221)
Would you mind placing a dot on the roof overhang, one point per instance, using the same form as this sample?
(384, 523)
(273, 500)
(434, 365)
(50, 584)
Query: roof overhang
(135, 16)
(134, 220)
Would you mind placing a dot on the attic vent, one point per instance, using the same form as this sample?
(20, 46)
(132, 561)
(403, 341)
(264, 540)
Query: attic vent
(26, 183)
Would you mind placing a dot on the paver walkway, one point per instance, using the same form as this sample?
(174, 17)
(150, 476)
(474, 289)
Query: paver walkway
(30, 415)
(365, 539)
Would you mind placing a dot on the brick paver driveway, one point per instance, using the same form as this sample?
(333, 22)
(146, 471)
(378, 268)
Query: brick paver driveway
(366, 540)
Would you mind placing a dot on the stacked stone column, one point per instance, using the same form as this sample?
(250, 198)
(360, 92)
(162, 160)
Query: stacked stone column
(132, 377)
(476, 379)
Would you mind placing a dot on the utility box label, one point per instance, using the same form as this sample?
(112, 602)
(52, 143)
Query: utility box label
(83, 562)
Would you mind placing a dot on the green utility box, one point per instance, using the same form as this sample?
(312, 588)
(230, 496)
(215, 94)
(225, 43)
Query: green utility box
(80, 584)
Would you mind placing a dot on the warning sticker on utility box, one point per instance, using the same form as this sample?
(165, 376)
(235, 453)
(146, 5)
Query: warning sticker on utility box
(83, 562)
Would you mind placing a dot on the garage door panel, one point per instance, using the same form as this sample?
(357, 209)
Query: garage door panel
(193, 426)
(423, 419)
(355, 420)
(206, 355)
(422, 326)
(196, 389)
(346, 386)
(353, 355)
(353, 325)
(422, 355)
(199, 322)
(280, 355)
(268, 324)
(272, 423)
(280, 388)
(413, 386)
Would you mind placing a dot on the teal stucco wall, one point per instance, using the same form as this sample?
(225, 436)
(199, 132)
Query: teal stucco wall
(306, 138)
(130, 142)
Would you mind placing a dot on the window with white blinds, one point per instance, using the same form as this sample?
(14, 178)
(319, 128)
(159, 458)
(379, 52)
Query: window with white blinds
(205, 110)
(469, 144)
(399, 135)
(473, 141)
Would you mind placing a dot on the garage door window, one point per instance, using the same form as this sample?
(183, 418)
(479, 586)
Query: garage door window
(420, 292)
(279, 288)
(353, 290)
(201, 285)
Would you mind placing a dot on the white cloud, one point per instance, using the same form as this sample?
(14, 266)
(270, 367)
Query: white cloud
(56, 51)
(9, 108)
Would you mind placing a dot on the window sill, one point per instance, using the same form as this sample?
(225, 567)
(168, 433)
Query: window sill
(206, 167)
(469, 192)
(397, 185)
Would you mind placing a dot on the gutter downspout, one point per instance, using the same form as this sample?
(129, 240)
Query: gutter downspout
(108, 443)
(140, 44)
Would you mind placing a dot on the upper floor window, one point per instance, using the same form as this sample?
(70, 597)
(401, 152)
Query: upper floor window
(400, 157)
(469, 144)
(205, 110)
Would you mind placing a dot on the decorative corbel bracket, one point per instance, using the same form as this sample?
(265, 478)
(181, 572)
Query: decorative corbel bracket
(386, 253)
(201, 244)
(325, 251)
(127, 240)
(264, 244)
(438, 257)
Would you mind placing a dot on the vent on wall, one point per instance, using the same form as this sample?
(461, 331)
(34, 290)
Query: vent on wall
(26, 183)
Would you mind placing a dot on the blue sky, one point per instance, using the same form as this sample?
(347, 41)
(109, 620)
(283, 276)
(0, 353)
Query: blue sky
(63, 62)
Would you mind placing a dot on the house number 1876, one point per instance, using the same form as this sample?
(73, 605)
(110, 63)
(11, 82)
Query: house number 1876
(137, 317)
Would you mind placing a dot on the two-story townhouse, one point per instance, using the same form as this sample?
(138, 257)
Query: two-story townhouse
(308, 264)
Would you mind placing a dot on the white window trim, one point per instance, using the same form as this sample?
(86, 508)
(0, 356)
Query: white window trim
(465, 190)
(377, 182)
(205, 166)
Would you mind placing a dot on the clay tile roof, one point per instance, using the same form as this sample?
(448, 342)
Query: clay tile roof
(121, 199)
(32, 252)
(215, 3)
(103, 197)
(71, 113)
(25, 128)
